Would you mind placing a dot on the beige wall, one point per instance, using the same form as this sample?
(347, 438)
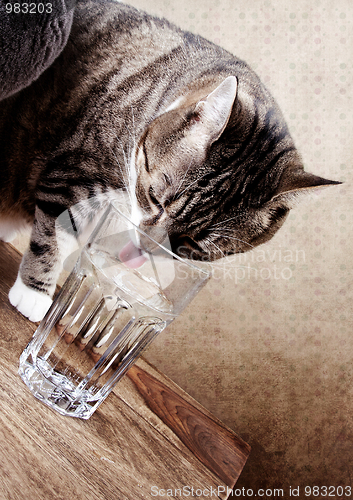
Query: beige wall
(267, 346)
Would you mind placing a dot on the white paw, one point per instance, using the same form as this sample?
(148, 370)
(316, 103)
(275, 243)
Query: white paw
(28, 301)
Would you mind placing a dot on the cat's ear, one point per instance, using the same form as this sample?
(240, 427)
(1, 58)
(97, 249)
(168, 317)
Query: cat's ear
(211, 115)
(297, 183)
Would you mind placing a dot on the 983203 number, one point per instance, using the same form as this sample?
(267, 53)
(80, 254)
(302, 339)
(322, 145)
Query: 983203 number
(29, 8)
(328, 491)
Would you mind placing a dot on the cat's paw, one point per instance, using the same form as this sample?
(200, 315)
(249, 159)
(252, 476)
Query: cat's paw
(29, 302)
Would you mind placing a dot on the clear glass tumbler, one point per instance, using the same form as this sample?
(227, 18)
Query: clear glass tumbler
(113, 304)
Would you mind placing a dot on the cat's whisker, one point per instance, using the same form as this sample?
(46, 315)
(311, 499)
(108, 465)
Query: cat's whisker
(214, 244)
(118, 163)
(133, 126)
(121, 170)
(132, 141)
(182, 180)
(223, 221)
(231, 238)
(189, 186)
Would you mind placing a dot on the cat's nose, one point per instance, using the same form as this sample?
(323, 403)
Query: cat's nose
(152, 237)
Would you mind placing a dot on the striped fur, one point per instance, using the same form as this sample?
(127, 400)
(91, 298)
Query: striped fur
(134, 103)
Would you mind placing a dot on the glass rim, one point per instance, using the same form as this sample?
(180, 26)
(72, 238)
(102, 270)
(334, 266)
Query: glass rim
(201, 268)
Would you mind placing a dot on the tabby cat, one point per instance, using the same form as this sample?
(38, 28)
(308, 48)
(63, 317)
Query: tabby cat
(135, 103)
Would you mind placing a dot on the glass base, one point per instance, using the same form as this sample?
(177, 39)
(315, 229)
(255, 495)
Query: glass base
(56, 391)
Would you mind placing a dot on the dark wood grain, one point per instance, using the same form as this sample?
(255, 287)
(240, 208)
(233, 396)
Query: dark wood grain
(215, 446)
(130, 444)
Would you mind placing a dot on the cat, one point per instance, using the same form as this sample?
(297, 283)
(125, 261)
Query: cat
(134, 103)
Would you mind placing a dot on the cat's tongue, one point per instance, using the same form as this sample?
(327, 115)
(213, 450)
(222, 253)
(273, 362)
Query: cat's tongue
(132, 256)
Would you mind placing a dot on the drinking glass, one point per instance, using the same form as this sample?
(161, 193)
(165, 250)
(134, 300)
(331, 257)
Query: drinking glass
(124, 289)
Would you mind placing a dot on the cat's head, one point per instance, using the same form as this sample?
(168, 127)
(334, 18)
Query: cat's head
(219, 175)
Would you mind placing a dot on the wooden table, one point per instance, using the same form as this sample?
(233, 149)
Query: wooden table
(149, 439)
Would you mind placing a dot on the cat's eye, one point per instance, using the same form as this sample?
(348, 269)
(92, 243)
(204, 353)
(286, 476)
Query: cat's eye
(154, 199)
(167, 179)
(145, 157)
